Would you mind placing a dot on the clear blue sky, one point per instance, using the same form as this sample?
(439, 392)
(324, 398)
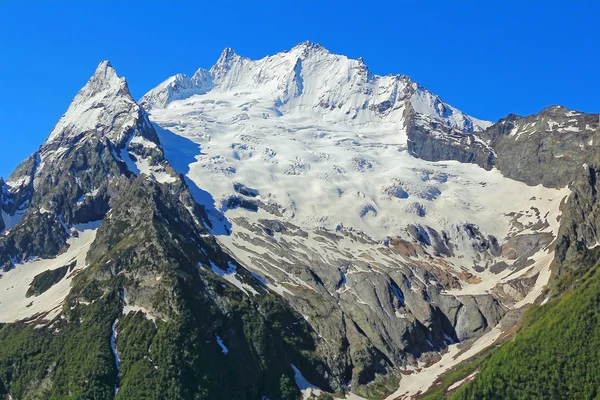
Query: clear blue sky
(487, 58)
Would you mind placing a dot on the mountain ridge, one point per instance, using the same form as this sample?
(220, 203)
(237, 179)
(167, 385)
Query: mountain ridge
(286, 68)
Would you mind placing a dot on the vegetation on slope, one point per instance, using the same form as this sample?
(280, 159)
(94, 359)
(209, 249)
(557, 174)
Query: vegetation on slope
(47, 279)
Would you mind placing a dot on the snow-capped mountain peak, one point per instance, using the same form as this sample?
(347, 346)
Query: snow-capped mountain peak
(93, 108)
(310, 80)
(308, 46)
(177, 87)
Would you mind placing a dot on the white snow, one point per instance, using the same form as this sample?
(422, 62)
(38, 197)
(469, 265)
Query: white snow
(231, 276)
(93, 108)
(14, 284)
(541, 265)
(316, 174)
(324, 142)
(15, 185)
(91, 194)
(305, 80)
(307, 388)
(126, 157)
(11, 220)
(142, 165)
(265, 126)
(421, 378)
(458, 384)
(177, 87)
(426, 103)
(569, 129)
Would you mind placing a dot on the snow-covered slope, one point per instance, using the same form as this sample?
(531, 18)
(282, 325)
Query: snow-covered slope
(323, 141)
(14, 283)
(302, 161)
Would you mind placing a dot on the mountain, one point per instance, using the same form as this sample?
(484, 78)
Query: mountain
(111, 243)
(284, 225)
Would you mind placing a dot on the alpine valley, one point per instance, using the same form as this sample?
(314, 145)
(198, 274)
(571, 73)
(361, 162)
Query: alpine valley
(298, 227)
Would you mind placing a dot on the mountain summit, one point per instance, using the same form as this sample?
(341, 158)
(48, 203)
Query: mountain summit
(104, 97)
(309, 77)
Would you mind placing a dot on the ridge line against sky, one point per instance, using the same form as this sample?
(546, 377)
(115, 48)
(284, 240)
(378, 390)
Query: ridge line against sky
(487, 60)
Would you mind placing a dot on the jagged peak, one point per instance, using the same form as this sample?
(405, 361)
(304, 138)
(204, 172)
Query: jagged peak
(227, 56)
(308, 45)
(105, 70)
(555, 109)
(285, 74)
(178, 77)
(104, 94)
(226, 60)
(227, 53)
(177, 87)
(104, 78)
(201, 74)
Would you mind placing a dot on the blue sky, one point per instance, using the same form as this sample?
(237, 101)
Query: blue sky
(487, 58)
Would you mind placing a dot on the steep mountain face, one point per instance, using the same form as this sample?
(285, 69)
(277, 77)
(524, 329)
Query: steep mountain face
(578, 245)
(268, 218)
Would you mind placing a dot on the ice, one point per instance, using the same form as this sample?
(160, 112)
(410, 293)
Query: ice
(224, 349)
(113, 348)
(323, 142)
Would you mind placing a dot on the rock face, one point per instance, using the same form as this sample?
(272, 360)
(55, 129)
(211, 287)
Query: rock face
(577, 247)
(548, 148)
(74, 176)
(432, 141)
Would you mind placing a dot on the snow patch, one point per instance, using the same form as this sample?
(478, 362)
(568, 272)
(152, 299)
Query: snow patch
(421, 379)
(231, 276)
(458, 384)
(308, 389)
(14, 305)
